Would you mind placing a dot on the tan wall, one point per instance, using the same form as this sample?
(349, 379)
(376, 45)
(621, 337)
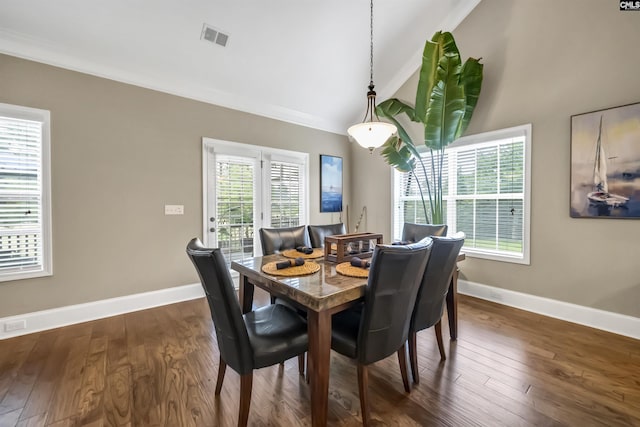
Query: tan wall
(371, 189)
(546, 60)
(119, 154)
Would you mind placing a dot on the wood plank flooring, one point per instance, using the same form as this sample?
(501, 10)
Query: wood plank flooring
(158, 368)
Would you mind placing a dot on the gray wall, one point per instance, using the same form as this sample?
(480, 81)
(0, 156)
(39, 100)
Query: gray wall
(119, 154)
(545, 60)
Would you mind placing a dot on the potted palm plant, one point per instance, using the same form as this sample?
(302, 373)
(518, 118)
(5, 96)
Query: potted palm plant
(447, 94)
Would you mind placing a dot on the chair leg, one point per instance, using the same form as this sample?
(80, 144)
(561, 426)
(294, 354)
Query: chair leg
(402, 361)
(273, 301)
(413, 357)
(363, 388)
(246, 382)
(438, 328)
(301, 364)
(222, 368)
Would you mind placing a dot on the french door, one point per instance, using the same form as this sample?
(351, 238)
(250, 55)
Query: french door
(246, 187)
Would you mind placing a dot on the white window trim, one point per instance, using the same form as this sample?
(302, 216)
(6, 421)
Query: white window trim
(43, 116)
(478, 139)
(262, 153)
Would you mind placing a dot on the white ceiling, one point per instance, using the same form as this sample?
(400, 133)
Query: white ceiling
(300, 61)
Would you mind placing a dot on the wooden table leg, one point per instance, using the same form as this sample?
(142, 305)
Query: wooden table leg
(245, 293)
(319, 326)
(452, 304)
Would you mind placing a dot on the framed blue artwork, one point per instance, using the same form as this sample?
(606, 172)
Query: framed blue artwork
(330, 183)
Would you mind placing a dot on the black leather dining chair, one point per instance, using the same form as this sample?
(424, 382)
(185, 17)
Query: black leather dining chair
(276, 240)
(415, 232)
(432, 295)
(317, 233)
(379, 327)
(264, 337)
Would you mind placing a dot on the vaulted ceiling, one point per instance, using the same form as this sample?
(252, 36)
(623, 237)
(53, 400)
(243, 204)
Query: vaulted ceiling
(300, 61)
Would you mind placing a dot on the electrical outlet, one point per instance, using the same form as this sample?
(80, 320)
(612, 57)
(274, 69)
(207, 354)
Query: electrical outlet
(174, 209)
(15, 325)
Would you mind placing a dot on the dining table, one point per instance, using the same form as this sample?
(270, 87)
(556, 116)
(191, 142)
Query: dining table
(321, 294)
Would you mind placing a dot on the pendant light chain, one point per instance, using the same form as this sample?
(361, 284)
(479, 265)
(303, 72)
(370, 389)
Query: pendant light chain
(371, 45)
(371, 133)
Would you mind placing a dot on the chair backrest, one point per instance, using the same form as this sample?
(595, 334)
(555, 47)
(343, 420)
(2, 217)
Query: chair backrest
(435, 283)
(276, 240)
(317, 233)
(415, 232)
(394, 278)
(231, 331)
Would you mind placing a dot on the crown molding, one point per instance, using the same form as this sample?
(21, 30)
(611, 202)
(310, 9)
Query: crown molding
(34, 49)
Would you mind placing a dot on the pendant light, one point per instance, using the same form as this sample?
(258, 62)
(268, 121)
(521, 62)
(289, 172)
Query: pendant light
(371, 133)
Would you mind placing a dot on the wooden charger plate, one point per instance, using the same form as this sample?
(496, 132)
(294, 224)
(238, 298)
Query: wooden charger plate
(309, 267)
(346, 269)
(292, 253)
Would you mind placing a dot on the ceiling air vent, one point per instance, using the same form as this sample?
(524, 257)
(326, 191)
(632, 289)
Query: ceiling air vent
(214, 35)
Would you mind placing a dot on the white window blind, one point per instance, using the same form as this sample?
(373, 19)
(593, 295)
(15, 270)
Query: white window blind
(287, 195)
(486, 188)
(235, 205)
(489, 198)
(25, 244)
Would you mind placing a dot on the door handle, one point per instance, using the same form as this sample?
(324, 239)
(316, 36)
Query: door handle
(212, 229)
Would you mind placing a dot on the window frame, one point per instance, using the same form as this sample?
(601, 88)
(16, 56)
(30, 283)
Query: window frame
(487, 139)
(44, 117)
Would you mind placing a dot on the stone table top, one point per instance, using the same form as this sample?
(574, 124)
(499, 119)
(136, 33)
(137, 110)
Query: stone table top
(319, 291)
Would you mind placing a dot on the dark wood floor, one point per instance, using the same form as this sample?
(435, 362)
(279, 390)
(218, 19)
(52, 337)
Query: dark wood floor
(158, 367)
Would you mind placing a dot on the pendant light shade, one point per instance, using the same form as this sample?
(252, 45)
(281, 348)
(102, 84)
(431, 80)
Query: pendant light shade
(371, 133)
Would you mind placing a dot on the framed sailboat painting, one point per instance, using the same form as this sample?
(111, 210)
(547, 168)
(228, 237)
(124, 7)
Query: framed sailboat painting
(330, 183)
(605, 163)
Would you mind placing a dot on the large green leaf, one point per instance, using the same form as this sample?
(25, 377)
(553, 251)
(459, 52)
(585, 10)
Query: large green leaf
(428, 74)
(446, 106)
(471, 80)
(392, 108)
(447, 44)
(398, 155)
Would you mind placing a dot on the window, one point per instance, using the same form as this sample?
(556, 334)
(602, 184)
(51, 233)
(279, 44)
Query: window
(486, 187)
(25, 213)
(287, 199)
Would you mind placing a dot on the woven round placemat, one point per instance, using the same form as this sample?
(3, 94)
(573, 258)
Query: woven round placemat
(346, 269)
(293, 253)
(309, 267)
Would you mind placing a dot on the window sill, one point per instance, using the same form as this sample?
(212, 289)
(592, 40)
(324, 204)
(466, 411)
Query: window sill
(513, 259)
(7, 277)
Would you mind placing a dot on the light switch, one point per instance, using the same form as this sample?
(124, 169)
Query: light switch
(174, 209)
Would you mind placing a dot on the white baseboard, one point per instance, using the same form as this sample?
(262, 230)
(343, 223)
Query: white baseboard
(63, 316)
(612, 322)
(49, 319)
